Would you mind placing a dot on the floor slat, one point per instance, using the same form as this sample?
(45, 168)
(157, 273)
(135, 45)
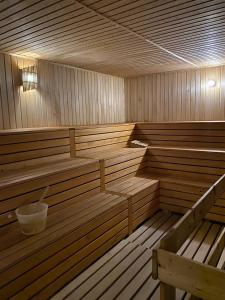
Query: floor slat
(125, 272)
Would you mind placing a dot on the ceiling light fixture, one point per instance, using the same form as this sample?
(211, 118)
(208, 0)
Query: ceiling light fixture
(29, 78)
(211, 83)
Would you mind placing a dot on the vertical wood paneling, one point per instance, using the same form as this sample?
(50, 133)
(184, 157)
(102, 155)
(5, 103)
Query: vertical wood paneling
(65, 96)
(176, 96)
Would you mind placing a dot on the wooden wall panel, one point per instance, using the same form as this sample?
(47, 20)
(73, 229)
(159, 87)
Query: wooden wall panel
(65, 96)
(176, 96)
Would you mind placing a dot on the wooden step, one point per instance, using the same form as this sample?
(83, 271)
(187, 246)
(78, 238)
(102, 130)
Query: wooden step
(143, 197)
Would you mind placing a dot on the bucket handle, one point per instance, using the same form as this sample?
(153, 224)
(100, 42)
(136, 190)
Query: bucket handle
(44, 193)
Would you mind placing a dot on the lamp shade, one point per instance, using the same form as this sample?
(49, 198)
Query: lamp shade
(29, 78)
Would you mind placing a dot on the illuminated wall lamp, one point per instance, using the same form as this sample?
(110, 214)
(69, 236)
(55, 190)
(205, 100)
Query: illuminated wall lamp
(211, 83)
(29, 78)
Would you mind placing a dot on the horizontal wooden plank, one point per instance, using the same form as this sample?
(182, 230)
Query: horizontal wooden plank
(35, 162)
(144, 201)
(100, 143)
(191, 145)
(53, 172)
(183, 138)
(124, 165)
(188, 161)
(220, 125)
(102, 136)
(179, 132)
(40, 129)
(21, 137)
(101, 129)
(124, 172)
(182, 187)
(124, 156)
(23, 147)
(201, 177)
(147, 214)
(197, 153)
(179, 195)
(97, 152)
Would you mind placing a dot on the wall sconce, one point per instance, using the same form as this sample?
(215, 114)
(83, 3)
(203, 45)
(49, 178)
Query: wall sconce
(211, 83)
(29, 78)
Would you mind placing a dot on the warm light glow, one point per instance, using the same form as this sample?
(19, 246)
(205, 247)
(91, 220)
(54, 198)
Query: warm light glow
(29, 78)
(211, 83)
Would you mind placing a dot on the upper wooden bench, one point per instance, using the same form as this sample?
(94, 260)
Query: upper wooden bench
(104, 138)
(208, 135)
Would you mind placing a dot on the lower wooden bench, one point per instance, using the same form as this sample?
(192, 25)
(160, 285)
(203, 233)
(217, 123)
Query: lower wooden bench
(36, 267)
(143, 197)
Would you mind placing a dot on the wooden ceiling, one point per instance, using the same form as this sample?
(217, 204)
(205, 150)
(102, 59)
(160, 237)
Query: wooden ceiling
(120, 37)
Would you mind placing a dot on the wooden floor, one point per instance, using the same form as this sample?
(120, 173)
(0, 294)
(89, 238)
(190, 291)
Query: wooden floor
(125, 271)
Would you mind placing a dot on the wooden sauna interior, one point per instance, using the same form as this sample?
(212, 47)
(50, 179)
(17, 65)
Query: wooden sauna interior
(112, 112)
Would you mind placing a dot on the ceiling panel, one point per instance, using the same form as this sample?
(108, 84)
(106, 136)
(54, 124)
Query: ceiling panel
(125, 38)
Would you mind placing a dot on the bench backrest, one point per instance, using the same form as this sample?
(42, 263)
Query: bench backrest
(185, 134)
(185, 176)
(200, 165)
(91, 139)
(21, 148)
(126, 163)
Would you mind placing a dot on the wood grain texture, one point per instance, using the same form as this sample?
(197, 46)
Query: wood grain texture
(119, 37)
(65, 96)
(176, 96)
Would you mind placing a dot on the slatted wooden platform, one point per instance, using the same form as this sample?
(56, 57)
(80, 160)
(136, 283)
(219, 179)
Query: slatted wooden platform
(125, 271)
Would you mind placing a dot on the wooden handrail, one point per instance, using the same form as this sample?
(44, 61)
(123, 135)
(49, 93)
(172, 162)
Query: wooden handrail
(181, 230)
(198, 279)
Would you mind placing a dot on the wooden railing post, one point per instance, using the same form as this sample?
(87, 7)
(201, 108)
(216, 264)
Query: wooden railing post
(167, 292)
(72, 142)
